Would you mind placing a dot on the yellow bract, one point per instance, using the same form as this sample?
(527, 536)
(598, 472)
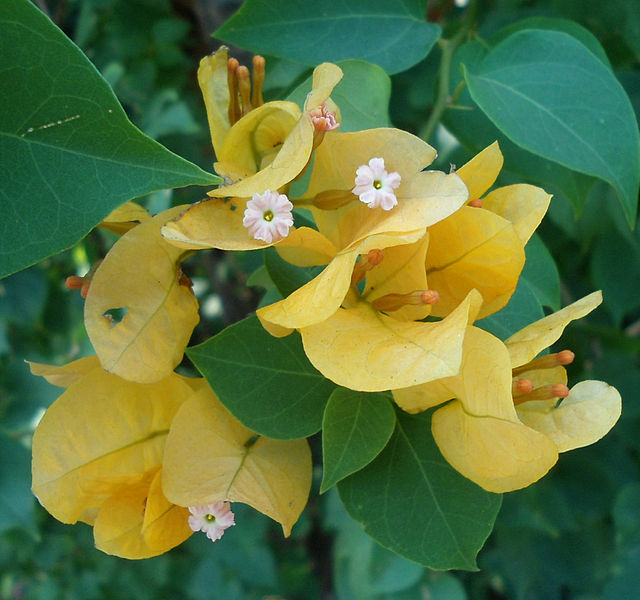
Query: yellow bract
(265, 150)
(483, 435)
(586, 415)
(96, 452)
(211, 457)
(473, 249)
(363, 349)
(155, 310)
(125, 217)
(401, 272)
(67, 374)
(212, 78)
(483, 248)
(424, 198)
(528, 342)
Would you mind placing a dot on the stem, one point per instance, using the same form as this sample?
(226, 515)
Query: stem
(448, 48)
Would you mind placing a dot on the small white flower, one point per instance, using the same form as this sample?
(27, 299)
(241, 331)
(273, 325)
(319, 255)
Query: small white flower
(374, 186)
(268, 216)
(213, 519)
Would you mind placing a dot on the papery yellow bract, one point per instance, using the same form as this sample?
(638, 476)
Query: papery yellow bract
(125, 217)
(424, 198)
(96, 454)
(211, 457)
(65, 375)
(363, 349)
(482, 434)
(265, 150)
(141, 277)
(213, 81)
(483, 248)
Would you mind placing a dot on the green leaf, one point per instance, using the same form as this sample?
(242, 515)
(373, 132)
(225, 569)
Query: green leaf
(523, 308)
(69, 153)
(612, 272)
(550, 95)
(287, 277)
(267, 383)
(476, 132)
(584, 36)
(541, 273)
(358, 111)
(355, 428)
(313, 32)
(412, 502)
(16, 499)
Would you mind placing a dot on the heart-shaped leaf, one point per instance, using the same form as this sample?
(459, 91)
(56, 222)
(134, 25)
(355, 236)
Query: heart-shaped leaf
(69, 153)
(312, 32)
(552, 96)
(411, 501)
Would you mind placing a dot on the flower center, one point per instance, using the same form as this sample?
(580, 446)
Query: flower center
(209, 518)
(374, 185)
(268, 216)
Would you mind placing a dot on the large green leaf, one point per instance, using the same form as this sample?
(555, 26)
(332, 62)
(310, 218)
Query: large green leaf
(355, 428)
(541, 273)
(550, 94)
(69, 153)
(393, 35)
(358, 111)
(267, 383)
(16, 500)
(474, 129)
(614, 270)
(411, 501)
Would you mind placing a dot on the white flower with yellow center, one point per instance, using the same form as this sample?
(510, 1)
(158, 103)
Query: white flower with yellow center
(213, 519)
(374, 186)
(268, 216)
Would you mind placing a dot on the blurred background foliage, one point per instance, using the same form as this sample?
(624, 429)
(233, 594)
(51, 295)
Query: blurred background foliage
(573, 536)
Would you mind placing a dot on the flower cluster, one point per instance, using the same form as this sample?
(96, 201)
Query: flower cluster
(411, 260)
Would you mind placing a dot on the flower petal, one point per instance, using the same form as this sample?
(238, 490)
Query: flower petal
(212, 457)
(212, 78)
(400, 272)
(590, 410)
(480, 173)
(160, 311)
(364, 350)
(473, 248)
(527, 343)
(524, 205)
(499, 455)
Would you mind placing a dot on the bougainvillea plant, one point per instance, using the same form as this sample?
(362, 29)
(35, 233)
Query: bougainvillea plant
(399, 322)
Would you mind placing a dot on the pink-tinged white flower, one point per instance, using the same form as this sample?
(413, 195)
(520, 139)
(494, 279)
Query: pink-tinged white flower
(268, 216)
(213, 519)
(374, 186)
(323, 119)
